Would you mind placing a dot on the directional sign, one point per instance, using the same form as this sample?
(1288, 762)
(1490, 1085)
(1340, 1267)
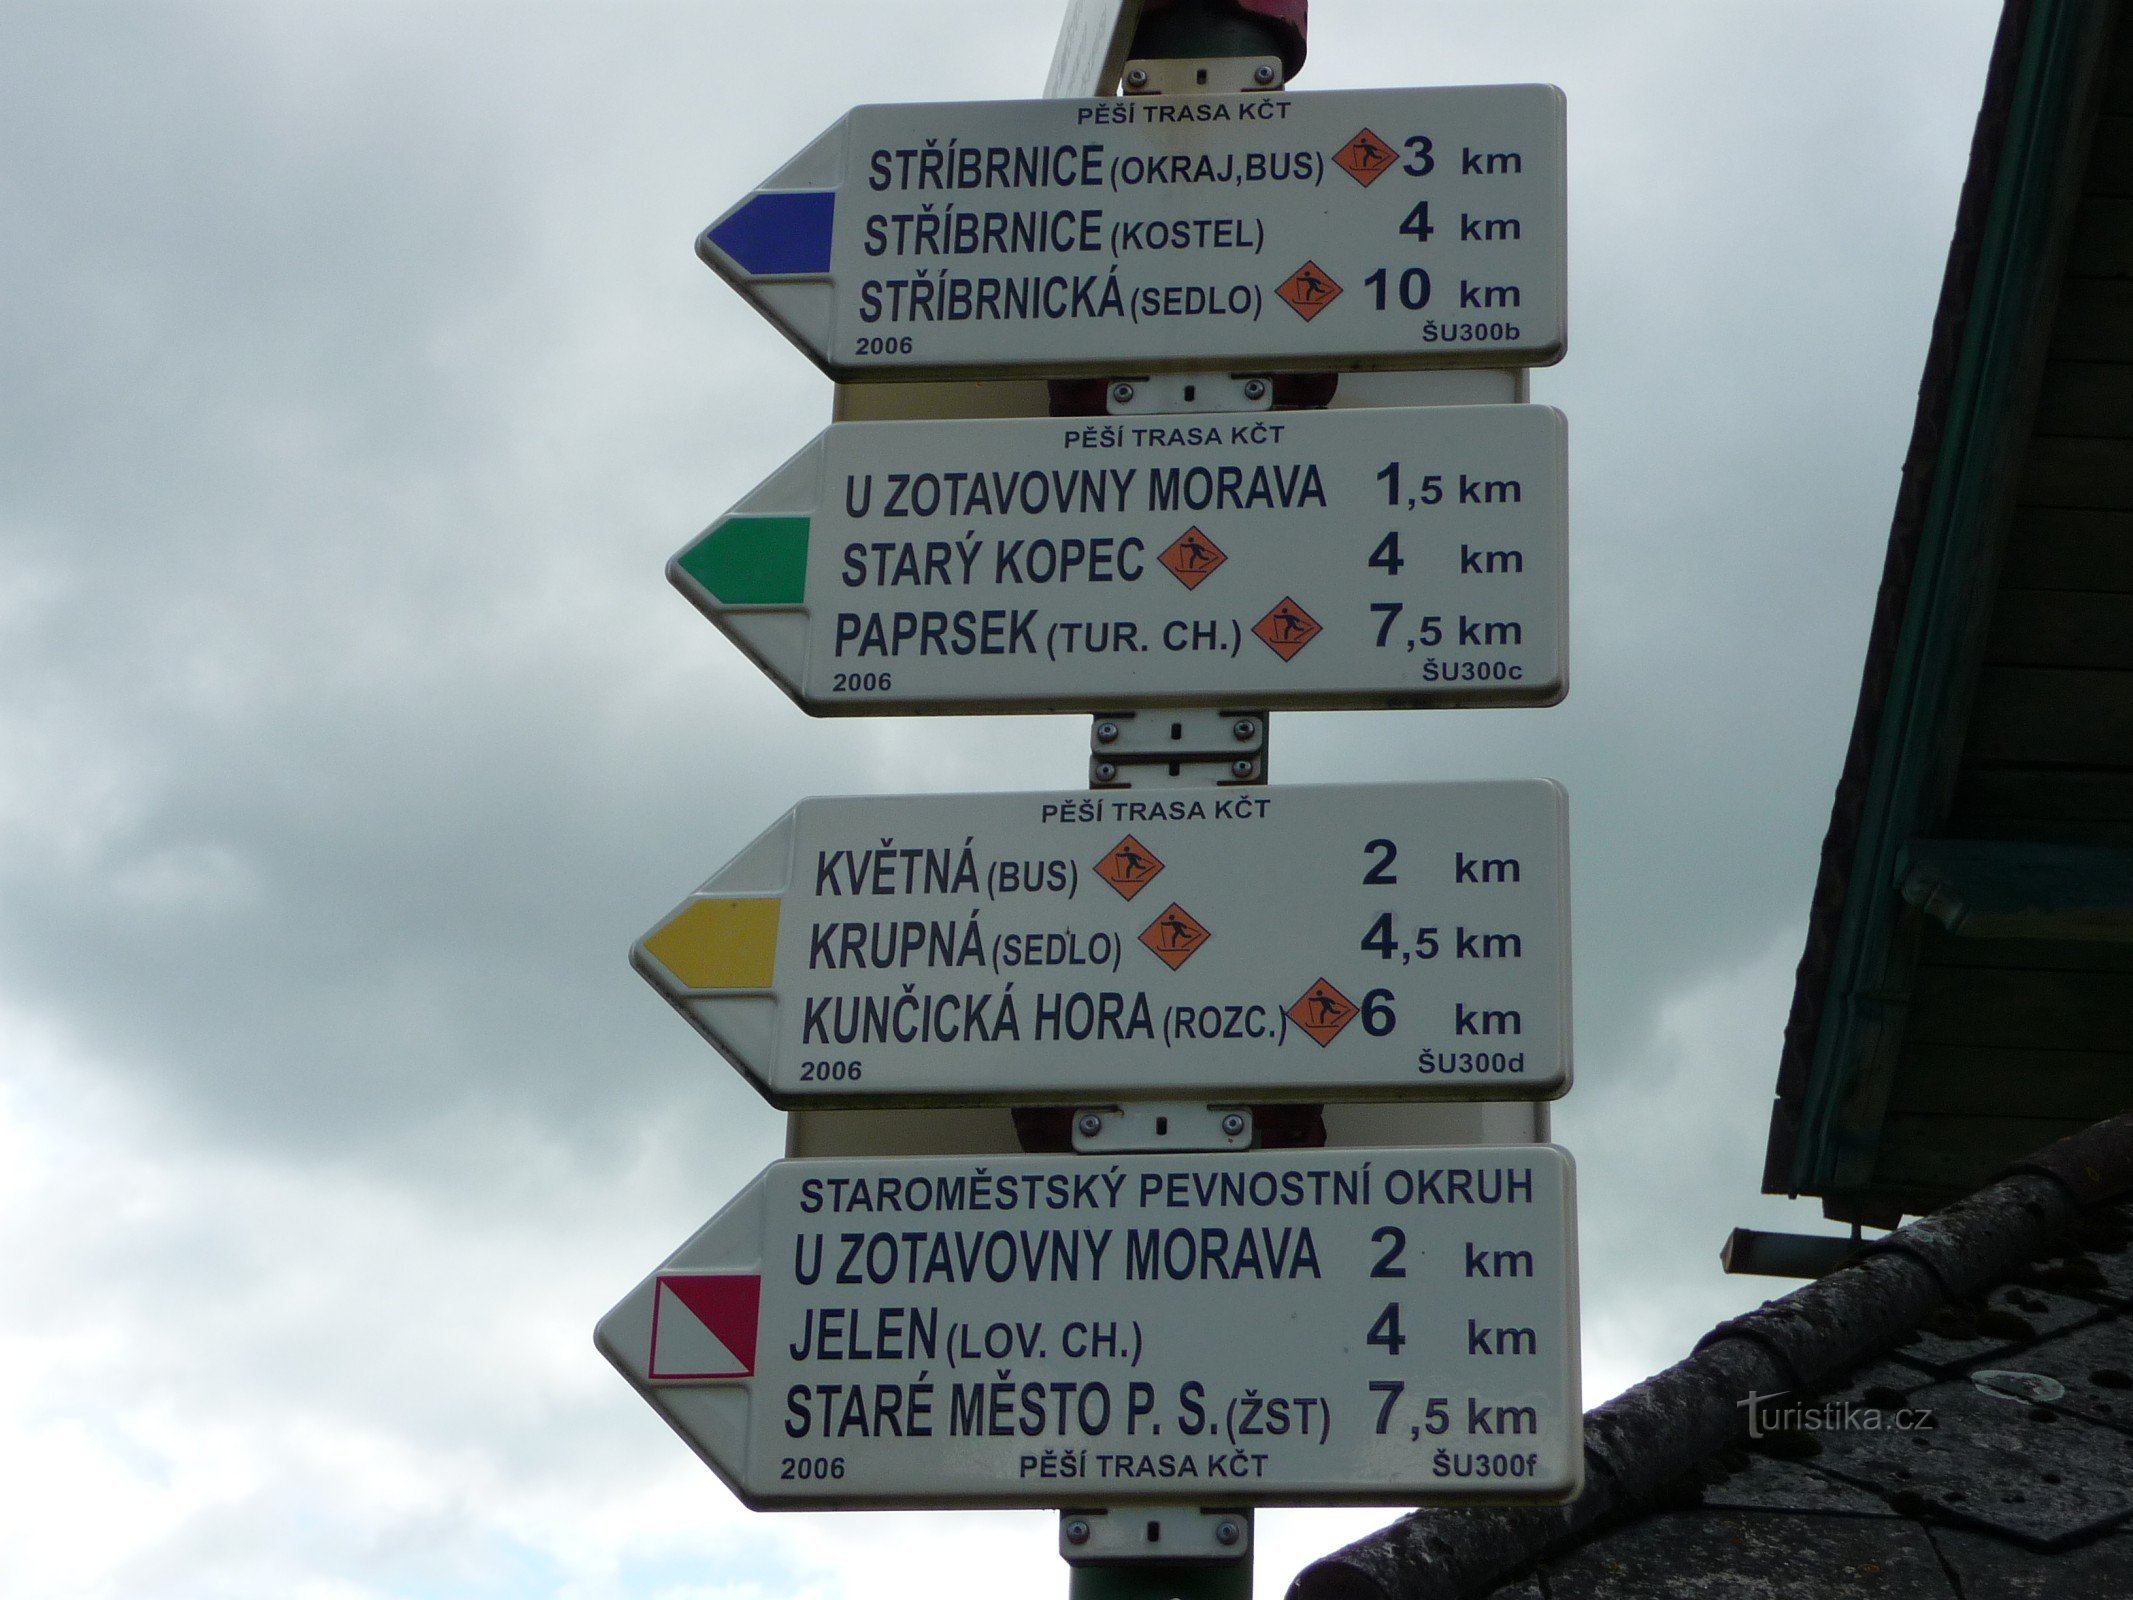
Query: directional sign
(1372, 941)
(1384, 557)
(1029, 1330)
(1383, 228)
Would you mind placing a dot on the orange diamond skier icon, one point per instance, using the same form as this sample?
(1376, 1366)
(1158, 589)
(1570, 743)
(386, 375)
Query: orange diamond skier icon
(1365, 158)
(1309, 290)
(1174, 936)
(1192, 558)
(1130, 867)
(1322, 1011)
(1287, 629)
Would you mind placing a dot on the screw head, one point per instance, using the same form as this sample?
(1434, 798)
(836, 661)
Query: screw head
(1106, 771)
(1233, 1124)
(1254, 388)
(1240, 768)
(1227, 1532)
(1262, 74)
(1122, 393)
(1244, 727)
(1137, 79)
(1106, 732)
(1090, 1125)
(1077, 1531)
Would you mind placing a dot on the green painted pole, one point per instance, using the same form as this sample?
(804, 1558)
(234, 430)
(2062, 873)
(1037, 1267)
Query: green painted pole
(1231, 1580)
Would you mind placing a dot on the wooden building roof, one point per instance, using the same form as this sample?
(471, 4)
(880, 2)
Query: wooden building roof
(1948, 1415)
(1966, 993)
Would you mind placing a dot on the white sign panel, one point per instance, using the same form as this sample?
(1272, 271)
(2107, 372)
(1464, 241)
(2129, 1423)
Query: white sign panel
(1380, 228)
(1372, 941)
(1311, 559)
(1036, 1331)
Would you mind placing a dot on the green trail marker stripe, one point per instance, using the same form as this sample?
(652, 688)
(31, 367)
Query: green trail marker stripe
(752, 561)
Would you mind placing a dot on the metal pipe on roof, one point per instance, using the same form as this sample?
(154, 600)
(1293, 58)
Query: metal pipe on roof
(1786, 1255)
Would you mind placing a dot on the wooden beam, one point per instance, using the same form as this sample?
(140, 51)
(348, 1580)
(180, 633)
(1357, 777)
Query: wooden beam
(1953, 1080)
(2013, 1008)
(2095, 321)
(2057, 548)
(1924, 1156)
(2021, 889)
(2085, 474)
(2074, 805)
(2058, 628)
(2054, 715)
(2086, 399)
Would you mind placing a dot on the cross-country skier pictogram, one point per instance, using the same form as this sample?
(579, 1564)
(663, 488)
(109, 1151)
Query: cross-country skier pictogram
(1129, 867)
(1365, 158)
(1174, 936)
(1192, 558)
(1287, 628)
(1322, 1011)
(1308, 290)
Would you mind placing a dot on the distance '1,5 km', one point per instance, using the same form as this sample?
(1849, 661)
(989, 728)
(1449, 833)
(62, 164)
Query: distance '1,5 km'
(1495, 637)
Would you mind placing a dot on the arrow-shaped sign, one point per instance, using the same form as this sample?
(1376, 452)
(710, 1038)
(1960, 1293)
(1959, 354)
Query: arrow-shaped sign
(1373, 941)
(1365, 558)
(1380, 228)
(1029, 1330)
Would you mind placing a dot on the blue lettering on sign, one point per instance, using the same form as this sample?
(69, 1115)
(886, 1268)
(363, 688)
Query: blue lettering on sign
(779, 235)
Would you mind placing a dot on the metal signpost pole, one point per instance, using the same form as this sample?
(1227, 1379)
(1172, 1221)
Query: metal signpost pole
(1109, 1550)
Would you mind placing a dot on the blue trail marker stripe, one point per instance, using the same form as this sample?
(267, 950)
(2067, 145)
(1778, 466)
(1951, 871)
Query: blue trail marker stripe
(773, 235)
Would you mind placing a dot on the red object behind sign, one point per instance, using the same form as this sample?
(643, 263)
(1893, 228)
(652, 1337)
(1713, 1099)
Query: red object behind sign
(1290, 18)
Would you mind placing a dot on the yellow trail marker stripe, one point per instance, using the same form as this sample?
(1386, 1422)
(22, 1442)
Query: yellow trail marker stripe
(719, 944)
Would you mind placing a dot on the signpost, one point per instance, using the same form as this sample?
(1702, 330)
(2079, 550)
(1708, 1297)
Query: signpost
(1391, 557)
(1373, 941)
(1367, 229)
(1036, 1331)
(1171, 1325)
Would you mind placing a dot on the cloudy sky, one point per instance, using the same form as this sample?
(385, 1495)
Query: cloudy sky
(357, 379)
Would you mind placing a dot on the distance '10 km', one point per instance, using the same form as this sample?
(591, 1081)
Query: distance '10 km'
(1096, 236)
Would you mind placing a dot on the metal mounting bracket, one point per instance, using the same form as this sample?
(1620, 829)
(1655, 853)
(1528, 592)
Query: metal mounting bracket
(1161, 1125)
(1140, 1534)
(1185, 746)
(1188, 391)
(1201, 75)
